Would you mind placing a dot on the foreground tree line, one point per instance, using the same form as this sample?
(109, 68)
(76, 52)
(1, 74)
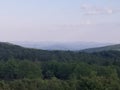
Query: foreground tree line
(55, 75)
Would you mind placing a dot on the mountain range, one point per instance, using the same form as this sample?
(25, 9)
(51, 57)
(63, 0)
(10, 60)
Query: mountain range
(72, 46)
(11, 51)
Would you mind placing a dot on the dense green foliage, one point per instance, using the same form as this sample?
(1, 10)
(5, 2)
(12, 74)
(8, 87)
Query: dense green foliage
(31, 69)
(54, 75)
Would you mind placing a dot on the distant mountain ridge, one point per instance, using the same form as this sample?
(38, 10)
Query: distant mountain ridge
(105, 48)
(73, 46)
(84, 47)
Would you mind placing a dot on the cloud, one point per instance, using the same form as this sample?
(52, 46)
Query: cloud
(94, 10)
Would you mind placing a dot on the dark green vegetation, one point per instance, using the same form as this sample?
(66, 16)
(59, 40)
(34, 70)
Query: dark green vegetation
(31, 69)
(106, 48)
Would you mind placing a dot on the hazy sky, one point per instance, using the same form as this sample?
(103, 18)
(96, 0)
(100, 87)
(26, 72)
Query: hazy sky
(60, 20)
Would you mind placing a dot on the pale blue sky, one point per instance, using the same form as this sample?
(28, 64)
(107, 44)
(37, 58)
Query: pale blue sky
(60, 20)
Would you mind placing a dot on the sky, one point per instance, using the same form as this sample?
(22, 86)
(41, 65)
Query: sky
(60, 20)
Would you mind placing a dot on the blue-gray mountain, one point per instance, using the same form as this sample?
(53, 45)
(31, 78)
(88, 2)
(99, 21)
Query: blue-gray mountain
(73, 46)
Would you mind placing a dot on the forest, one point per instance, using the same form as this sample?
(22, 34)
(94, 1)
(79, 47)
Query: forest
(32, 69)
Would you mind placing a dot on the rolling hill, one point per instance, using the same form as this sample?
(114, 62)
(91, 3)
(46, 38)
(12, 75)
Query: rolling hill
(11, 51)
(106, 48)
